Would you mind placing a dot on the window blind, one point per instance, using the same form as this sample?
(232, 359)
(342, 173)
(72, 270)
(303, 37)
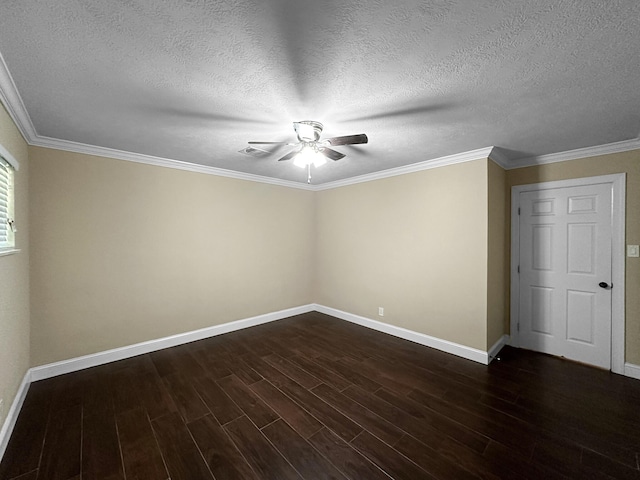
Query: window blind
(6, 204)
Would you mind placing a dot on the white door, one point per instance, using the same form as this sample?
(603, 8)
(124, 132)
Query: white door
(565, 272)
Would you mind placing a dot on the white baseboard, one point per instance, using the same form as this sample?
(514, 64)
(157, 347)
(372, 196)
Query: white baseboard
(100, 358)
(433, 342)
(631, 370)
(107, 356)
(493, 351)
(14, 411)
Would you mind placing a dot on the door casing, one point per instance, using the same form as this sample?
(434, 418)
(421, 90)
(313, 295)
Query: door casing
(618, 183)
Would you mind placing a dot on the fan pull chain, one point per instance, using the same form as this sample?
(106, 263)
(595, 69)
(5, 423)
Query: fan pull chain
(308, 173)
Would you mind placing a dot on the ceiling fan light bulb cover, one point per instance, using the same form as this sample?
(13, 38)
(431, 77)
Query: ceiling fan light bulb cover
(299, 161)
(307, 156)
(319, 159)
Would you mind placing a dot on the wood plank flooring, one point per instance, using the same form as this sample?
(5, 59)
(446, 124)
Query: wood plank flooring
(313, 397)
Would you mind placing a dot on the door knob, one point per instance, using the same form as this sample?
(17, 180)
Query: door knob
(604, 285)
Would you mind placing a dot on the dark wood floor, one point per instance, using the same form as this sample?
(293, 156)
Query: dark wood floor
(314, 397)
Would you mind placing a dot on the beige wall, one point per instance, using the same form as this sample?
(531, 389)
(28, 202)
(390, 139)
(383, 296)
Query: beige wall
(125, 252)
(14, 277)
(497, 262)
(414, 244)
(628, 162)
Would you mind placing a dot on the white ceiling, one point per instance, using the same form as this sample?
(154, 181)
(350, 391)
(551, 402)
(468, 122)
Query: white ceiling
(194, 80)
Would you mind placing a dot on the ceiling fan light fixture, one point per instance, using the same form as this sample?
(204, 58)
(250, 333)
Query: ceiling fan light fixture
(313, 152)
(309, 156)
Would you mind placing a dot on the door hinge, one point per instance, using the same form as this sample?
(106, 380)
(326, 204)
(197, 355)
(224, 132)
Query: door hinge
(518, 326)
(518, 210)
(518, 268)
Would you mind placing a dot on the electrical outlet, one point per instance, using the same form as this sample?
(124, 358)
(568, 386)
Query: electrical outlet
(381, 311)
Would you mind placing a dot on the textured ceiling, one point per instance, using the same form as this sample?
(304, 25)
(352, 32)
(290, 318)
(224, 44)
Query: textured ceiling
(194, 80)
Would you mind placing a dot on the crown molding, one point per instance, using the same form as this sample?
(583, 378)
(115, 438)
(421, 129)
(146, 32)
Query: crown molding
(12, 101)
(69, 146)
(66, 145)
(478, 154)
(577, 154)
(499, 158)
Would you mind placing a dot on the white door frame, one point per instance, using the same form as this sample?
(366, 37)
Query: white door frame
(618, 182)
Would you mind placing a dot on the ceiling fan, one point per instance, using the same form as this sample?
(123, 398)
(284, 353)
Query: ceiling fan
(314, 151)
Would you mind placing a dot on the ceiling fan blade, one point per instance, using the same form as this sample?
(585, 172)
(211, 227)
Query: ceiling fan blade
(268, 143)
(288, 156)
(348, 140)
(332, 154)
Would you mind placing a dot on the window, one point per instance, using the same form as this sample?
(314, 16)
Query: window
(7, 222)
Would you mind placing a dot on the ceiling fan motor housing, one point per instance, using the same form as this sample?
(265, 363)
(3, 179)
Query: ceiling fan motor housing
(308, 130)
